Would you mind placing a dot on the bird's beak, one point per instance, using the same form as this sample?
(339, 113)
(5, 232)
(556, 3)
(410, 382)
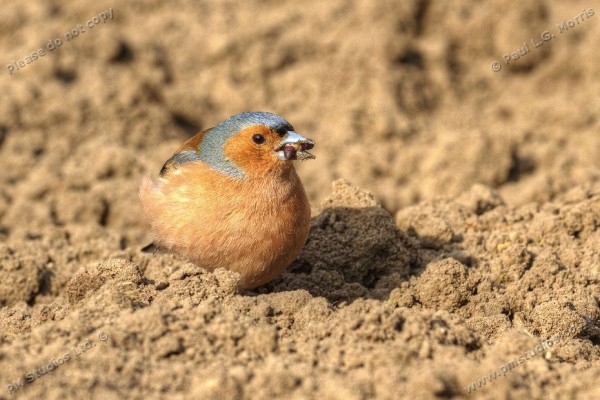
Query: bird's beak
(294, 147)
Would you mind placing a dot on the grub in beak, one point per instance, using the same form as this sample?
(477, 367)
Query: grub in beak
(294, 147)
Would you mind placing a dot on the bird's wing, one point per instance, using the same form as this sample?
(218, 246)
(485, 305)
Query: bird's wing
(186, 153)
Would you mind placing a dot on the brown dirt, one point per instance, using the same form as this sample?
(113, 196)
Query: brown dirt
(480, 240)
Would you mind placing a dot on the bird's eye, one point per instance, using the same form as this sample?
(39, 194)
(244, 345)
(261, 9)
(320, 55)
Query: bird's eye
(258, 139)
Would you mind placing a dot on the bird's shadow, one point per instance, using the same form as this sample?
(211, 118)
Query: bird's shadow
(350, 253)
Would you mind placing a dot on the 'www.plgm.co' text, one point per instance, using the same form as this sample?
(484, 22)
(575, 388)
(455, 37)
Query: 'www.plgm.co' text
(503, 370)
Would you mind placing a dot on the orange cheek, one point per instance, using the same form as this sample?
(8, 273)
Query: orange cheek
(249, 157)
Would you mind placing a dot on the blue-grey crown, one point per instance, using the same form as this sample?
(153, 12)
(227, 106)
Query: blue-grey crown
(237, 122)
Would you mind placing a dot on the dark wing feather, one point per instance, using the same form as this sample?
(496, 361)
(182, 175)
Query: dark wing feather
(149, 248)
(188, 152)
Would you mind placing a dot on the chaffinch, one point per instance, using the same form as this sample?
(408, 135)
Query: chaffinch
(230, 197)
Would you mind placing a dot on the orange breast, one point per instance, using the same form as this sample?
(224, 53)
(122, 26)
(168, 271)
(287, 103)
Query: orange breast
(255, 227)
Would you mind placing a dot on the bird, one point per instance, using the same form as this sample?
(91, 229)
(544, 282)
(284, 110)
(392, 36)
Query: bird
(231, 198)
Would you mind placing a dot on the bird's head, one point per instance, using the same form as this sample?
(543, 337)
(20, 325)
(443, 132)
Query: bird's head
(253, 144)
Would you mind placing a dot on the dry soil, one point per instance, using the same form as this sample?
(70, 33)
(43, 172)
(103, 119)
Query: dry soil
(456, 220)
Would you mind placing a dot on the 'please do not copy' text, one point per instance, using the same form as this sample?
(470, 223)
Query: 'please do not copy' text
(57, 42)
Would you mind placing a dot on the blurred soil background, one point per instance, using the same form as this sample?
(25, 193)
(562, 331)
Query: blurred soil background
(456, 220)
